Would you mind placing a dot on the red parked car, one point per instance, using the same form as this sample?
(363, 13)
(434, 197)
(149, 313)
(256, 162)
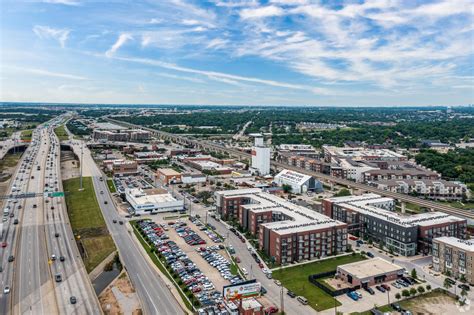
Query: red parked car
(386, 287)
(237, 259)
(271, 310)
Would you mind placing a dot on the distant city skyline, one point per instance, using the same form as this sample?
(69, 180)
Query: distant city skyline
(248, 52)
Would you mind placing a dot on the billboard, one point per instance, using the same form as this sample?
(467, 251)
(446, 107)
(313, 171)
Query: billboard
(241, 290)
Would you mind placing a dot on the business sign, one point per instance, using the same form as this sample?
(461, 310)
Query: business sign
(241, 290)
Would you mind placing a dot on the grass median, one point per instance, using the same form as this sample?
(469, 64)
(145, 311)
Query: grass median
(296, 279)
(26, 135)
(110, 184)
(61, 133)
(87, 222)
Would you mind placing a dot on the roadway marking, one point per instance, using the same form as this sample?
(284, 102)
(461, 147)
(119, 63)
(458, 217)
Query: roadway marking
(146, 291)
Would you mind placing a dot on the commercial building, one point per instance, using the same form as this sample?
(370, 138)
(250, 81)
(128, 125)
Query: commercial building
(455, 256)
(300, 183)
(193, 178)
(361, 154)
(399, 174)
(204, 163)
(371, 216)
(430, 189)
(437, 145)
(301, 149)
(260, 156)
(168, 176)
(145, 201)
(121, 167)
(354, 169)
(285, 231)
(369, 272)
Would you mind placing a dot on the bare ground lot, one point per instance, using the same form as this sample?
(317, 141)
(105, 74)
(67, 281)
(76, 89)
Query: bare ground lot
(120, 298)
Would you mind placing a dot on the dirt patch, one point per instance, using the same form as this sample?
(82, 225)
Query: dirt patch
(69, 169)
(443, 304)
(120, 298)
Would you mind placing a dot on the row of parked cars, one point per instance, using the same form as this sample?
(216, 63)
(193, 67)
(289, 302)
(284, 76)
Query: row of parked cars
(217, 261)
(189, 236)
(191, 276)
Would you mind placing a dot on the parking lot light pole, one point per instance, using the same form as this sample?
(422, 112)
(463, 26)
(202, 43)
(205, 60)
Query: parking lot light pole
(388, 297)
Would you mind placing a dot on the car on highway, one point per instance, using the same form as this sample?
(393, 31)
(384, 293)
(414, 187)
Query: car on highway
(105, 202)
(53, 257)
(114, 221)
(61, 258)
(56, 234)
(4, 244)
(121, 222)
(73, 300)
(6, 290)
(58, 277)
(11, 258)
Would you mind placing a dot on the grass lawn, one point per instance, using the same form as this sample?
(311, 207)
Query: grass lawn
(61, 133)
(111, 185)
(10, 160)
(296, 280)
(26, 135)
(98, 248)
(87, 221)
(460, 205)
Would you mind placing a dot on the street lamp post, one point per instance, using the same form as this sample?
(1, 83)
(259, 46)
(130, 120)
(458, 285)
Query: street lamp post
(82, 159)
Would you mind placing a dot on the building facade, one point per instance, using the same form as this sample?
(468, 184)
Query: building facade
(454, 256)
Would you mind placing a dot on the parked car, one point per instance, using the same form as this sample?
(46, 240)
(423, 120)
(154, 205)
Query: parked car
(380, 288)
(353, 295)
(291, 294)
(396, 307)
(271, 310)
(385, 286)
(302, 300)
(369, 254)
(463, 286)
(277, 282)
(370, 290)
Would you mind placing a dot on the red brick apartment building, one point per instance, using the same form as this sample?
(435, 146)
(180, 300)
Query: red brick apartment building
(285, 231)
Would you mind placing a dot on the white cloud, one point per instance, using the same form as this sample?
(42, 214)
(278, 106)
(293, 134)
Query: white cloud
(155, 21)
(261, 12)
(48, 73)
(65, 2)
(121, 40)
(178, 77)
(46, 32)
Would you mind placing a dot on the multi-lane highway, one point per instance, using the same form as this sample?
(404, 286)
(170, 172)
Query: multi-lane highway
(40, 261)
(243, 155)
(154, 295)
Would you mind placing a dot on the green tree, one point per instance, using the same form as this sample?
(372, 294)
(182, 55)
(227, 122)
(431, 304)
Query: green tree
(414, 274)
(413, 291)
(286, 188)
(428, 287)
(463, 279)
(447, 284)
(421, 289)
(463, 292)
(405, 293)
(398, 296)
(343, 193)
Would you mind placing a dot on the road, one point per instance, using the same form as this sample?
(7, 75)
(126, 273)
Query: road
(32, 241)
(154, 296)
(243, 155)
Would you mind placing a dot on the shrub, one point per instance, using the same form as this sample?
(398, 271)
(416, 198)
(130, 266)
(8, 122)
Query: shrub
(428, 287)
(398, 296)
(405, 293)
(413, 291)
(421, 289)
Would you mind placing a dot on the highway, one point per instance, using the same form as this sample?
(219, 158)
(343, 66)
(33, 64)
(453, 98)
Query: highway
(33, 241)
(154, 296)
(435, 206)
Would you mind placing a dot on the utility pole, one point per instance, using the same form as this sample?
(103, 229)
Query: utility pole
(282, 300)
(388, 297)
(82, 159)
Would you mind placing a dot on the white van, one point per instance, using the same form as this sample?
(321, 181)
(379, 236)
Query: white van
(302, 300)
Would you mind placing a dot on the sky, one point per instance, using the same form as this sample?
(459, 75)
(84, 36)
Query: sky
(247, 52)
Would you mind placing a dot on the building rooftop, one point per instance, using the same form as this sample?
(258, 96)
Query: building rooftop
(168, 172)
(299, 218)
(361, 153)
(467, 245)
(417, 182)
(149, 196)
(293, 177)
(370, 268)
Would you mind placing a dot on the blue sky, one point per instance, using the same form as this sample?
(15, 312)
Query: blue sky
(301, 52)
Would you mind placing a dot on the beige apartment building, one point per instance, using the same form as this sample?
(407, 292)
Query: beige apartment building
(454, 255)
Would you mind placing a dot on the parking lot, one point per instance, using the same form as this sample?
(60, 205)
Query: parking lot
(123, 182)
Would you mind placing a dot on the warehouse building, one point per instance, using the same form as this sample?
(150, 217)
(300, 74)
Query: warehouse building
(146, 201)
(372, 216)
(366, 273)
(285, 231)
(168, 176)
(300, 183)
(454, 255)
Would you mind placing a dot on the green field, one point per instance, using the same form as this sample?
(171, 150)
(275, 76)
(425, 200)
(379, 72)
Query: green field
(87, 221)
(111, 185)
(10, 160)
(26, 135)
(61, 133)
(296, 280)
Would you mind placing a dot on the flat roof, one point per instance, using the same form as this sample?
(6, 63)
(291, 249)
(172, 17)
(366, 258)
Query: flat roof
(168, 172)
(149, 196)
(370, 268)
(467, 245)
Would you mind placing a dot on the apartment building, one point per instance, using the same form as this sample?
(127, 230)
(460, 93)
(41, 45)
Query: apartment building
(361, 154)
(454, 255)
(400, 174)
(285, 231)
(430, 189)
(134, 135)
(372, 216)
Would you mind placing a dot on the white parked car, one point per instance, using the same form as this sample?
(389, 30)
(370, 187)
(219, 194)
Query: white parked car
(245, 271)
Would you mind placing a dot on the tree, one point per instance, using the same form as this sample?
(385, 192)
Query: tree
(421, 289)
(342, 193)
(463, 279)
(413, 291)
(413, 274)
(463, 292)
(447, 284)
(286, 188)
(428, 287)
(398, 296)
(405, 293)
